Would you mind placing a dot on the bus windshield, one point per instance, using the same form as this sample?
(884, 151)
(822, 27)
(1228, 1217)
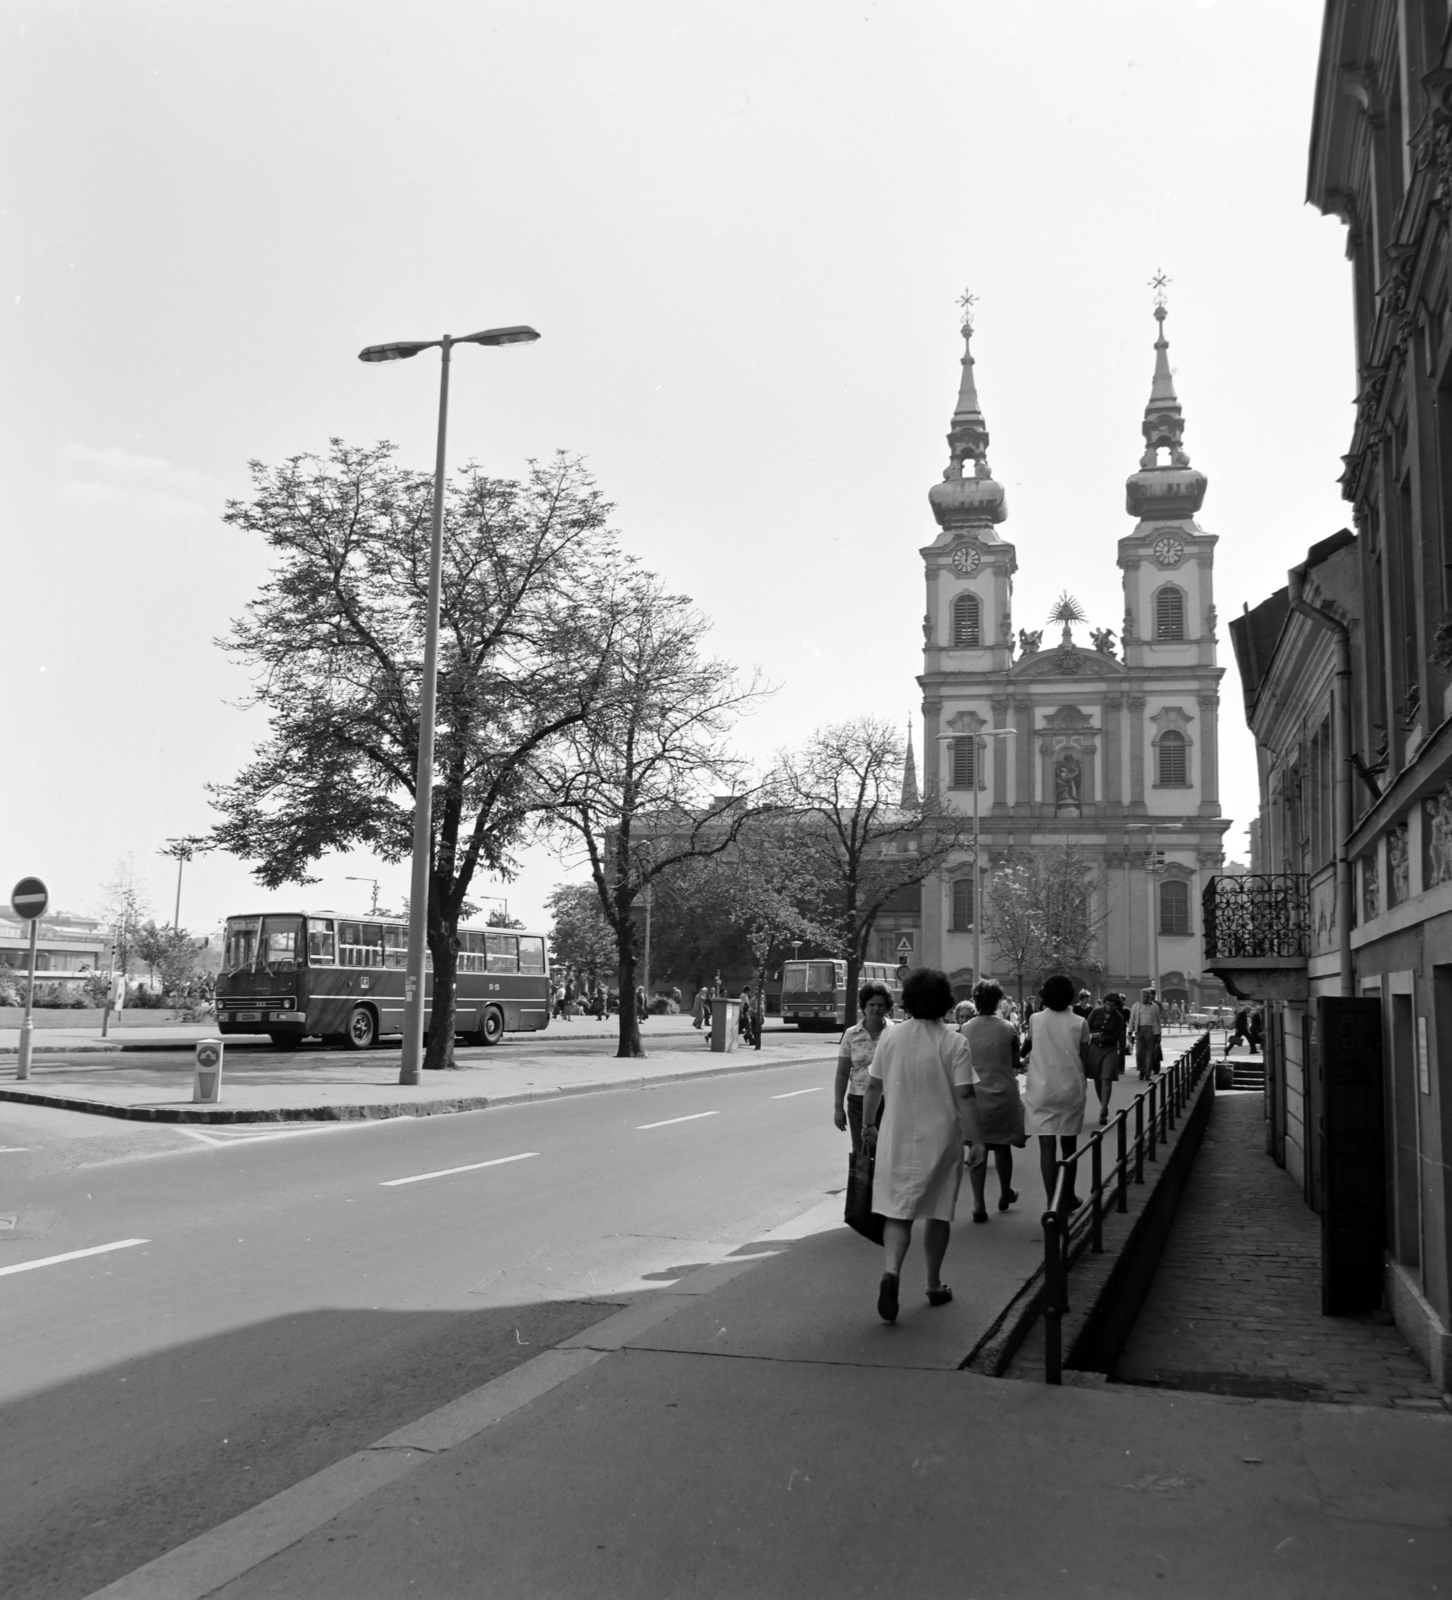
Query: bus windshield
(799, 976)
(263, 944)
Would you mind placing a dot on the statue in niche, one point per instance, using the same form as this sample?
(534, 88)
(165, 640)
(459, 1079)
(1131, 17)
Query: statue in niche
(927, 628)
(1066, 779)
(1029, 642)
(1103, 639)
(1437, 830)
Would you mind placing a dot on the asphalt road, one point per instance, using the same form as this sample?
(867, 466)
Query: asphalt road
(295, 1295)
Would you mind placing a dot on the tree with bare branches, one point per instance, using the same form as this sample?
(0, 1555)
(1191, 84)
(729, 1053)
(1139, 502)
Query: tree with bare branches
(861, 843)
(647, 782)
(1043, 913)
(335, 640)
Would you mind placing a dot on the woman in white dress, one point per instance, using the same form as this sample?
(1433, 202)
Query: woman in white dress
(925, 1070)
(1054, 1090)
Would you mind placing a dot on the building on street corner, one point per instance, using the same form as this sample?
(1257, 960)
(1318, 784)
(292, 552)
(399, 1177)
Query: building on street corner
(1075, 744)
(1344, 925)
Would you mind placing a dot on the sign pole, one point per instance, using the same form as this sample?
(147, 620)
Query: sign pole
(22, 1065)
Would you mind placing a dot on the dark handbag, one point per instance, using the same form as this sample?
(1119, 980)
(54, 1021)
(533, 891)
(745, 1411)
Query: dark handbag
(858, 1213)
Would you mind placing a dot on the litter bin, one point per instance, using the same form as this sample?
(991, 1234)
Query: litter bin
(207, 1085)
(725, 1024)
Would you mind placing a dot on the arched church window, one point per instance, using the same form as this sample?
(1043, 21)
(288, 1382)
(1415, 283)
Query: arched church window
(965, 766)
(967, 632)
(962, 905)
(1174, 766)
(1170, 613)
(1174, 907)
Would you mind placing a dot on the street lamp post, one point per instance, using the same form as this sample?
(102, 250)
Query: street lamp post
(1154, 829)
(979, 739)
(414, 979)
(374, 882)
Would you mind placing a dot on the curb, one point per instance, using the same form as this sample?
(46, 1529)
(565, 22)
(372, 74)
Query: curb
(381, 1110)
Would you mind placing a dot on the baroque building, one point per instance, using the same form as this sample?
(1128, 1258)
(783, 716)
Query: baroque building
(1344, 927)
(1064, 743)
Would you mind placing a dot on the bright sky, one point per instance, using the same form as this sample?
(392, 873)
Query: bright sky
(741, 229)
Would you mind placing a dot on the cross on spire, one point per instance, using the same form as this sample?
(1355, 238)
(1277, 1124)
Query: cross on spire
(1159, 283)
(967, 300)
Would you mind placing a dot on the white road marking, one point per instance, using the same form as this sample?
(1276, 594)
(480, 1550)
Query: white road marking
(448, 1172)
(71, 1255)
(13, 1149)
(816, 1087)
(669, 1121)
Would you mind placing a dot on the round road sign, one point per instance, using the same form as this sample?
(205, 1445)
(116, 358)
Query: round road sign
(209, 1053)
(29, 898)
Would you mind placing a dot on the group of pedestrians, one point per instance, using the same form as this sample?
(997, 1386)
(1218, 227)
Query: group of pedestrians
(920, 1091)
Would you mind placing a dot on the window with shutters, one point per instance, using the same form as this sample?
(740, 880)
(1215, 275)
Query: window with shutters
(962, 905)
(1174, 907)
(965, 772)
(1174, 766)
(1170, 613)
(966, 630)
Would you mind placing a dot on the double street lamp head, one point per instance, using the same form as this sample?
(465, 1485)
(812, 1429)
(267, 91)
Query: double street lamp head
(402, 349)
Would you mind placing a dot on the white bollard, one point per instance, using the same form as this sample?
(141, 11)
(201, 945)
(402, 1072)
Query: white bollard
(207, 1085)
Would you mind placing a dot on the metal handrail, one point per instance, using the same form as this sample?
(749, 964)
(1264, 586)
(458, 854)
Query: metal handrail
(1154, 1112)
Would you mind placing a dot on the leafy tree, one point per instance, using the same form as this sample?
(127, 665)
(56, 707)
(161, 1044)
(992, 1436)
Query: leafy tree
(1042, 915)
(500, 918)
(861, 844)
(581, 940)
(638, 785)
(151, 946)
(336, 639)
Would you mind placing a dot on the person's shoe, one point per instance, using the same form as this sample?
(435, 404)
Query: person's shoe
(1006, 1200)
(887, 1297)
(940, 1296)
(980, 1216)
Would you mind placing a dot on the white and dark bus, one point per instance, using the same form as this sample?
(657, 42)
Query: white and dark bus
(814, 993)
(316, 974)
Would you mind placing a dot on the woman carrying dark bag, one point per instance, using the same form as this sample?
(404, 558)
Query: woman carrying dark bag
(1107, 1044)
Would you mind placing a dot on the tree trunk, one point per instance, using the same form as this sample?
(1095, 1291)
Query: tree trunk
(854, 976)
(630, 1045)
(444, 948)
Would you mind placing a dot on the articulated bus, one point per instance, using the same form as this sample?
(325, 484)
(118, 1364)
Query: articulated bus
(814, 993)
(340, 979)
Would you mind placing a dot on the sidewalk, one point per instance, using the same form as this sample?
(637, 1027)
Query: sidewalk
(263, 1085)
(756, 1430)
(1235, 1306)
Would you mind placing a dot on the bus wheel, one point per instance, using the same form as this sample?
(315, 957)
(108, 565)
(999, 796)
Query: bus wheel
(362, 1031)
(491, 1027)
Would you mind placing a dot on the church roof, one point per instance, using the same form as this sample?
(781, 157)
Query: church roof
(1175, 489)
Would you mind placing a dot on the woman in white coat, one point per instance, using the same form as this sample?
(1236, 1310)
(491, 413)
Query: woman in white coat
(925, 1070)
(1054, 1090)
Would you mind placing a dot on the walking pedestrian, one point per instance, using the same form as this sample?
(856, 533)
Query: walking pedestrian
(1084, 1004)
(1239, 1029)
(1146, 1021)
(1108, 1030)
(1054, 1092)
(925, 1071)
(854, 1056)
(569, 1012)
(699, 1007)
(642, 1004)
(994, 1045)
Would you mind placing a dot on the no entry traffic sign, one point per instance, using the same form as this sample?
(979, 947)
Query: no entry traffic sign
(29, 898)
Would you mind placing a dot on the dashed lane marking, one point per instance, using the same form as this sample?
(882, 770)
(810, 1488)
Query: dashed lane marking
(448, 1172)
(641, 1127)
(815, 1089)
(70, 1255)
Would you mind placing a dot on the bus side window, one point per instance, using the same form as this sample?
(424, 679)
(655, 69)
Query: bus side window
(350, 944)
(395, 946)
(373, 941)
(471, 952)
(531, 953)
(503, 950)
(320, 942)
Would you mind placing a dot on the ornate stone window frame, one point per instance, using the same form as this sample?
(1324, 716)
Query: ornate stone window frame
(963, 726)
(1173, 719)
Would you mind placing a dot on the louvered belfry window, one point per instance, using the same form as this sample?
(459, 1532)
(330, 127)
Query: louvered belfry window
(1174, 766)
(964, 768)
(967, 634)
(1170, 614)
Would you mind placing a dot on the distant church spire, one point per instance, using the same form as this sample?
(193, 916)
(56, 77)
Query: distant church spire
(910, 799)
(1173, 489)
(958, 501)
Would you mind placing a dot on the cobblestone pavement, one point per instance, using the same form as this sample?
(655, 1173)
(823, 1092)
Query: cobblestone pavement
(1235, 1306)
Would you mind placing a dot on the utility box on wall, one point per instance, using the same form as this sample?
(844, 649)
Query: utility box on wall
(1351, 1152)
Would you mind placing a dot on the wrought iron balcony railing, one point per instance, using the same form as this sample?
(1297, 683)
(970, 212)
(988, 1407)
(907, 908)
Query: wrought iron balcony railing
(1257, 915)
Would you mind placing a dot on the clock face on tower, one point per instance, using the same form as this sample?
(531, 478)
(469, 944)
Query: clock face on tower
(966, 559)
(1168, 551)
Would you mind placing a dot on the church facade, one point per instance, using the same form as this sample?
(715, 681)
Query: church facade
(1076, 744)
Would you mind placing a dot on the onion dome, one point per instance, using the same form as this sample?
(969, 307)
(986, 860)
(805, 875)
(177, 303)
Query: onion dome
(1174, 489)
(959, 501)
